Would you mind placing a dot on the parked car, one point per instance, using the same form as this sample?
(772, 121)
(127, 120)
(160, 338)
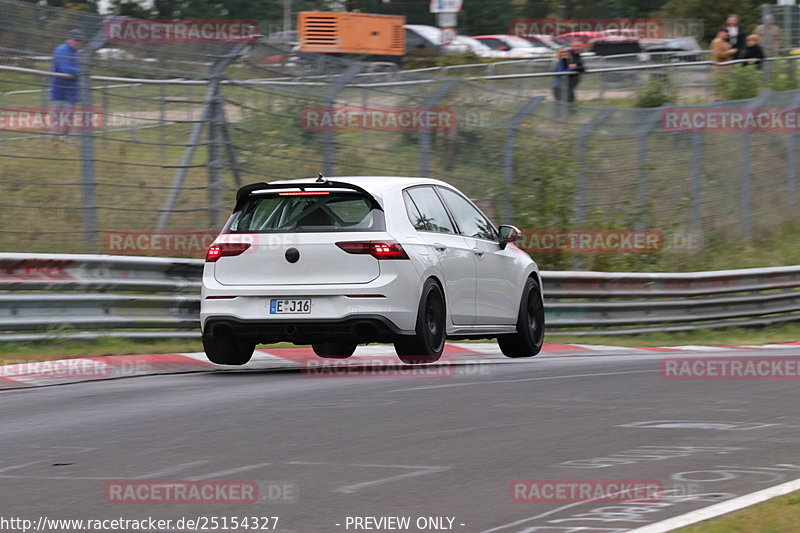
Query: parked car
(420, 37)
(336, 263)
(541, 40)
(479, 48)
(517, 47)
(585, 38)
(676, 48)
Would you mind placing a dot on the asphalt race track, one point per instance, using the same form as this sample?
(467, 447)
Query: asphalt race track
(326, 450)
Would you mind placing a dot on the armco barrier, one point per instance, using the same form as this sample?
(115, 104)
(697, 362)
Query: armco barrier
(87, 296)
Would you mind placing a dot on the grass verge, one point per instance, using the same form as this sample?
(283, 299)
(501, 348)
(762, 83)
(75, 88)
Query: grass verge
(778, 515)
(703, 337)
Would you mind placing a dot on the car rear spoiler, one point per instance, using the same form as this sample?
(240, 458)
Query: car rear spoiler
(243, 193)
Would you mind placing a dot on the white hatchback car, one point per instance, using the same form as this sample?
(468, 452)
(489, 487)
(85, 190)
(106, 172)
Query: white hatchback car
(338, 262)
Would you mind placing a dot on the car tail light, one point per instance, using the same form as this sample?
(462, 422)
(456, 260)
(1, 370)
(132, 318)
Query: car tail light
(223, 249)
(377, 249)
(305, 193)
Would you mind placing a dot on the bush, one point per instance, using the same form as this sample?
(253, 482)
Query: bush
(659, 91)
(739, 83)
(785, 75)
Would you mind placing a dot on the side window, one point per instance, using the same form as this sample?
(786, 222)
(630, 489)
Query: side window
(492, 43)
(470, 221)
(426, 211)
(414, 41)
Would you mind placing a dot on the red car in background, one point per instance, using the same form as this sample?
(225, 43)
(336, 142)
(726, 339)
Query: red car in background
(584, 37)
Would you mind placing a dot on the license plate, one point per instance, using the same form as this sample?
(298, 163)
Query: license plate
(290, 307)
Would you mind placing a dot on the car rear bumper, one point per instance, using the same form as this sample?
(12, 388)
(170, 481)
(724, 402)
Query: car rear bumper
(355, 328)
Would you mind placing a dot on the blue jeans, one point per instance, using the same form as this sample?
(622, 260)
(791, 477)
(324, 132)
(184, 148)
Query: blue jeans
(58, 107)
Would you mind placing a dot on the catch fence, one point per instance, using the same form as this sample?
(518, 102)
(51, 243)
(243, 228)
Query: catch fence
(183, 125)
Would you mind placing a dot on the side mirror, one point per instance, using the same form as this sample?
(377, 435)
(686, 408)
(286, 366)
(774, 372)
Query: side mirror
(503, 48)
(508, 234)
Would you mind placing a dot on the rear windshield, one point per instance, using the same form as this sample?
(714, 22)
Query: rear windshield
(307, 212)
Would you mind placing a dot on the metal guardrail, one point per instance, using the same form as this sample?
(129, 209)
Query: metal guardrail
(44, 296)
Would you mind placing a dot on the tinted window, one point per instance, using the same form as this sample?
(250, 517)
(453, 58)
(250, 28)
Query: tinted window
(335, 211)
(415, 41)
(470, 221)
(426, 211)
(493, 43)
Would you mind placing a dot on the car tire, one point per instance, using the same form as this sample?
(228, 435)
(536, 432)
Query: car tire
(224, 349)
(428, 343)
(528, 339)
(334, 350)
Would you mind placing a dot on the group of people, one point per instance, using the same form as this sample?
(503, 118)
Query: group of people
(731, 43)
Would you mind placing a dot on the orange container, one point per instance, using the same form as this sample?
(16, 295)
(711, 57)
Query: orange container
(339, 32)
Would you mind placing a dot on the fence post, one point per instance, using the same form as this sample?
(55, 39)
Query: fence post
(162, 119)
(105, 116)
(791, 156)
(425, 135)
(329, 136)
(207, 113)
(580, 194)
(214, 164)
(766, 17)
(511, 145)
(87, 145)
(746, 189)
(697, 159)
(642, 151)
(229, 148)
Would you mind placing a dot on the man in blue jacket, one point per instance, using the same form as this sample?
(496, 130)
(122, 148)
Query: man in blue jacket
(64, 92)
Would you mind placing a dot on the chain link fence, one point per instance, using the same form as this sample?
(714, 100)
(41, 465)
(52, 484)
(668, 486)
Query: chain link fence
(184, 125)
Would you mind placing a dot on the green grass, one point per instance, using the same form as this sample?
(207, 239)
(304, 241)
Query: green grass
(703, 337)
(778, 515)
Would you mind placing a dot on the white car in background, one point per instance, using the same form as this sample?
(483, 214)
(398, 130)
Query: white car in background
(339, 262)
(516, 47)
(478, 48)
(422, 37)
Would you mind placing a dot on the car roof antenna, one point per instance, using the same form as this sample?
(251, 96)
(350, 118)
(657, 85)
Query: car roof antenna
(320, 177)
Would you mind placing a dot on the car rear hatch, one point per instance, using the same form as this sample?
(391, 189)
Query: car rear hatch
(293, 230)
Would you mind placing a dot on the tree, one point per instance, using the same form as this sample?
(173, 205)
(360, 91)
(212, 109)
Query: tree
(714, 12)
(130, 8)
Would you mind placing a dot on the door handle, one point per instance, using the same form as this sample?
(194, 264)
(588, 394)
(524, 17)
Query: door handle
(478, 252)
(440, 247)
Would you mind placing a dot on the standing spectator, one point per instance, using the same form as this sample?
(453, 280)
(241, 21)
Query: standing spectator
(773, 41)
(563, 94)
(575, 64)
(64, 92)
(721, 51)
(754, 51)
(736, 35)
